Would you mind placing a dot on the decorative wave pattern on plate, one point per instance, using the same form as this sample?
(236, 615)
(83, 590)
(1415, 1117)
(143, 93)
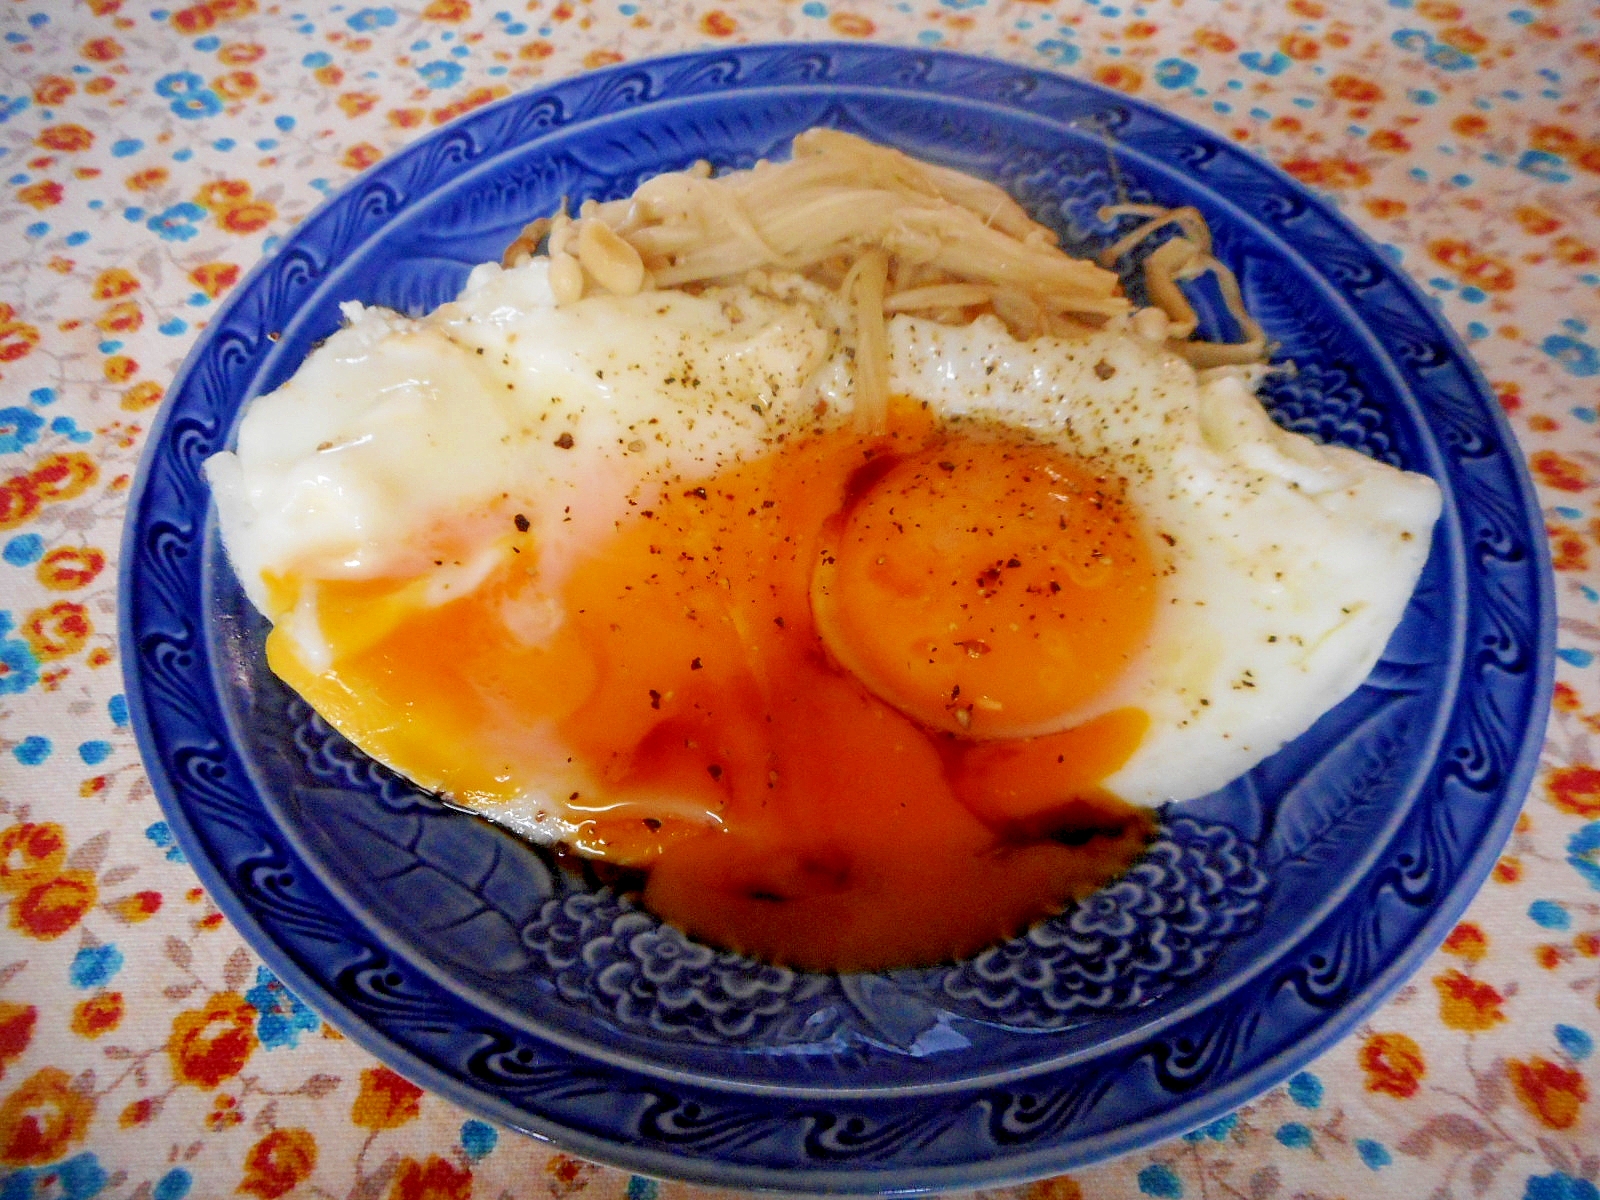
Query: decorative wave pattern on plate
(1179, 1058)
(1164, 921)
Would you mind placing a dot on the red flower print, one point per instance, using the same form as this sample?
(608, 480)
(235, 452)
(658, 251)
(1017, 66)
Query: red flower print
(215, 278)
(44, 194)
(240, 54)
(30, 854)
(1466, 1003)
(52, 90)
(102, 50)
(114, 282)
(1329, 172)
(16, 1030)
(42, 1118)
(1216, 41)
(354, 104)
(222, 194)
(279, 1163)
(144, 181)
(98, 1014)
(247, 217)
(1300, 47)
(567, 1174)
(437, 1179)
(1464, 39)
(65, 139)
(236, 85)
(145, 394)
(1548, 1090)
(1392, 1064)
(386, 1101)
(851, 25)
(197, 18)
(125, 316)
(1062, 1187)
(1575, 789)
(140, 1112)
(57, 631)
(1355, 89)
(19, 500)
(47, 910)
(1467, 941)
(1560, 472)
(1122, 76)
(17, 338)
(1568, 550)
(213, 1042)
(362, 155)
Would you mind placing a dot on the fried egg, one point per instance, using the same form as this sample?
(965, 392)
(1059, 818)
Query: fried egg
(622, 573)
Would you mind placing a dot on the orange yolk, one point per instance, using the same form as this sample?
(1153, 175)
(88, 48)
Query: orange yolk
(987, 588)
(846, 792)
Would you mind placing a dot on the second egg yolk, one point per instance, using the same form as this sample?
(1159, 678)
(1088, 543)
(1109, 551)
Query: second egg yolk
(881, 782)
(987, 588)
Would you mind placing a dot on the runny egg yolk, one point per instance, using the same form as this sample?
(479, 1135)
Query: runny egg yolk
(850, 790)
(985, 587)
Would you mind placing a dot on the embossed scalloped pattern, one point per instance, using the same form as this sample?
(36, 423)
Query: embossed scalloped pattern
(1459, 692)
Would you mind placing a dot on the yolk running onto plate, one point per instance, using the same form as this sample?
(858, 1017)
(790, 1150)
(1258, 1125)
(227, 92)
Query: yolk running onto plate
(844, 792)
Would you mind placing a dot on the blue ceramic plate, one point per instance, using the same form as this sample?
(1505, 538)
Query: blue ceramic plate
(1268, 918)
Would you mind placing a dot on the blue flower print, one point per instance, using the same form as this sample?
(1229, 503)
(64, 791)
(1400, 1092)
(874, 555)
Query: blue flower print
(1579, 358)
(1216, 1131)
(1305, 1089)
(284, 1017)
(80, 1177)
(441, 74)
(1161, 1181)
(189, 94)
(1559, 1186)
(1293, 1135)
(1175, 73)
(19, 427)
(368, 19)
(19, 669)
(94, 966)
(200, 104)
(179, 83)
(176, 224)
(1374, 1154)
(1275, 63)
(1583, 853)
(1062, 53)
(478, 1139)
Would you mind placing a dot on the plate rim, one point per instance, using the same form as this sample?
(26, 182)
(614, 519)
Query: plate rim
(1187, 1114)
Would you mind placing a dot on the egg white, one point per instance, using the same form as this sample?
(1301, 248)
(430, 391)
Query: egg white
(1289, 563)
(402, 446)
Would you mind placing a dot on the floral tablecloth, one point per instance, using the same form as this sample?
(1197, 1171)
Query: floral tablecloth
(151, 154)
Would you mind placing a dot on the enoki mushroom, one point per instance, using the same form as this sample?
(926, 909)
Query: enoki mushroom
(887, 234)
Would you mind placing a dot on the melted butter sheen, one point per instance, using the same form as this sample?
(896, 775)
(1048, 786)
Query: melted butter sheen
(783, 807)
